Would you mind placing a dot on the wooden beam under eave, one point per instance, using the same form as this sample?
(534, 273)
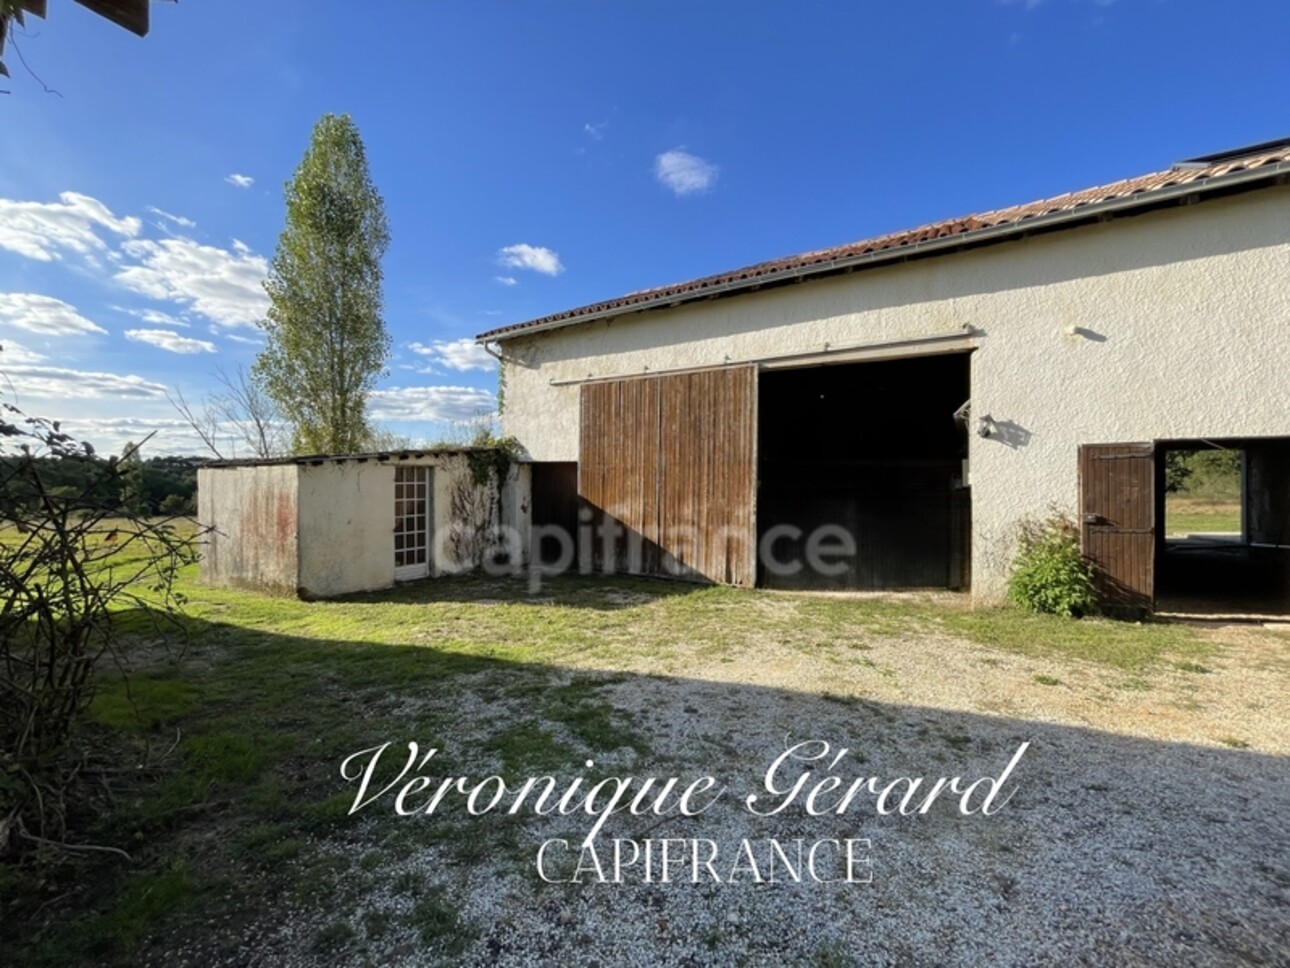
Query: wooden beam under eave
(130, 14)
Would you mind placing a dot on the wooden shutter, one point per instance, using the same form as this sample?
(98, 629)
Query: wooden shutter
(671, 462)
(1117, 530)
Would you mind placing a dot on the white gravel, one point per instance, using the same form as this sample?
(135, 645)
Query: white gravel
(1137, 834)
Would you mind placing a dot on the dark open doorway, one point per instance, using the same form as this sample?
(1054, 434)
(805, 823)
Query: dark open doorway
(874, 449)
(1223, 526)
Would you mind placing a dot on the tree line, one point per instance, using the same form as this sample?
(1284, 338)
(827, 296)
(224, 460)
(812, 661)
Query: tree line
(156, 486)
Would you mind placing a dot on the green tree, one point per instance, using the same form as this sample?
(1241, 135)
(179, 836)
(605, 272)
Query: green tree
(327, 342)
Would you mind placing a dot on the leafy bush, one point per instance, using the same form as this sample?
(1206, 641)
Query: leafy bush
(73, 568)
(1048, 573)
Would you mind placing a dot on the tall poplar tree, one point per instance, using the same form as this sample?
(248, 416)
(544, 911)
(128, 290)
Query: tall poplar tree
(327, 342)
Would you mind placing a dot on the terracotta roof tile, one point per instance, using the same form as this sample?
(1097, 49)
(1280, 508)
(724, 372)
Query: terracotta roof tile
(1203, 170)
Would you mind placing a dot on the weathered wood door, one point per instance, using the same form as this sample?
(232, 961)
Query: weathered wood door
(1117, 529)
(667, 466)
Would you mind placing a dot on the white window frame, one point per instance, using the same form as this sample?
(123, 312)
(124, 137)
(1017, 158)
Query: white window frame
(412, 521)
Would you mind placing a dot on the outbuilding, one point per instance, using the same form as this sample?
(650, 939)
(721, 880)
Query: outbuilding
(326, 525)
(897, 406)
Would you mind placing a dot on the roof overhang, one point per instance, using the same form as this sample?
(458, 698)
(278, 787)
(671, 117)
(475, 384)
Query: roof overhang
(380, 457)
(1188, 190)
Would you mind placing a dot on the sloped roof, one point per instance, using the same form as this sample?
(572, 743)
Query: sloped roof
(1207, 174)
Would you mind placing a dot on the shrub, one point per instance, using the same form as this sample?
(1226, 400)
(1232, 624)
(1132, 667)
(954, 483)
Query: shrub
(1048, 573)
(73, 569)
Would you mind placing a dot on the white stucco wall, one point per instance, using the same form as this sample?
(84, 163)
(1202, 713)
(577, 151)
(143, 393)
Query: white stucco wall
(517, 509)
(346, 527)
(464, 516)
(347, 522)
(1185, 332)
(474, 521)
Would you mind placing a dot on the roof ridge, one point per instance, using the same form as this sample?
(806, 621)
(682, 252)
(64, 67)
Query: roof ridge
(1147, 184)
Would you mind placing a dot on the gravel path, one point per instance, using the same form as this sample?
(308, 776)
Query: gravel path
(1149, 826)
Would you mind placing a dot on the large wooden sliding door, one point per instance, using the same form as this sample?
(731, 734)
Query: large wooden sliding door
(667, 466)
(1117, 531)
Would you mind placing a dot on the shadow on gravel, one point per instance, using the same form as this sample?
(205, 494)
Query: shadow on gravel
(1114, 849)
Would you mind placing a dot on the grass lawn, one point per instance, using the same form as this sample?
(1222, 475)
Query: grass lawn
(215, 765)
(1189, 515)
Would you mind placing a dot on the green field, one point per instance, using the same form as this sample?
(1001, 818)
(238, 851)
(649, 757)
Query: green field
(1187, 515)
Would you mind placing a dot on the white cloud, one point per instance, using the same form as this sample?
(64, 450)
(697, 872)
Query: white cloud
(244, 339)
(431, 403)
(164, 435)
(223, 286)
(505, 280)
(241, 181)
(179, 220)
(40, 230)
(58, 383)
(170, 341)
(1029, 4)
(684, 173)
(15, 354)
(535, 257)
(595, 131)
(459, 354)
(155, 317)
(44, 315)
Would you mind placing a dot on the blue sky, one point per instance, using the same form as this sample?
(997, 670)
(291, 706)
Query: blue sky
(541, 155)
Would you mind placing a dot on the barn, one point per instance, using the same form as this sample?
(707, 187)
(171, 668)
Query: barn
(884, 414)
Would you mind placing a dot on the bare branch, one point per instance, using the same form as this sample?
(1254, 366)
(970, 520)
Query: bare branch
(13, 42)
(203, 425)
(245, 405)
(81, 561)
(73, 848)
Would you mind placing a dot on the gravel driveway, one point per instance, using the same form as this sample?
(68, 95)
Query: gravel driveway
(1150, 825)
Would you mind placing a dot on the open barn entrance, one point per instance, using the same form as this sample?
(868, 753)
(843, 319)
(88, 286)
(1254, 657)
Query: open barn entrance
(1224, 547)
(868, 451)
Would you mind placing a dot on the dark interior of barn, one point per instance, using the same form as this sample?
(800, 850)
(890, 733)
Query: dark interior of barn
(1219, 562)
(876, 449)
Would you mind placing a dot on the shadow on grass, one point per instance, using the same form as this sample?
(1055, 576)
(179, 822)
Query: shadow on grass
(602, 592)
(244, 847)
